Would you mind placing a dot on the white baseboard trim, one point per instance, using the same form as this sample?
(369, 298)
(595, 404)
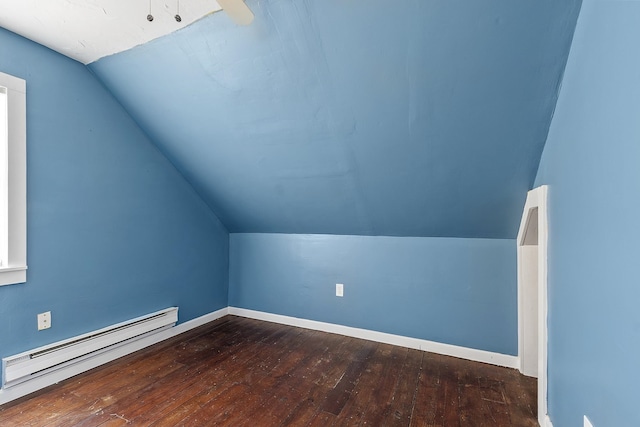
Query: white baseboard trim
(23, 389)
(547, 421)
(20, 390)
(399, 340)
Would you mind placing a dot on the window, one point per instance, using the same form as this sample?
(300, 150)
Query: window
(13, 180)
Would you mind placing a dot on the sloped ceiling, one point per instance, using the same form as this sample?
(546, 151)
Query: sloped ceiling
(409, 118)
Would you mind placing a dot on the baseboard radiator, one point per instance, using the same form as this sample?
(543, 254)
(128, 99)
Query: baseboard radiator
(31, 364)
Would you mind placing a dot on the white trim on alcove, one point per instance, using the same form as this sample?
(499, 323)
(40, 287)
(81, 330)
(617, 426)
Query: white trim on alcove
(532, 294)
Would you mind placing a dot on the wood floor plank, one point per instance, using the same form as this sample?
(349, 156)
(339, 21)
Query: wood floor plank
(124, 376)
(322, 419)
(141, 397)
(521, 398)
(215, 381)
(209, 379)
(269, 398)
(384, 391)
(248, 370)
(398, 412)
(429, 402)
(336, 362)
(371, 383)
(341, 393)
(242, 372)
(448, 400)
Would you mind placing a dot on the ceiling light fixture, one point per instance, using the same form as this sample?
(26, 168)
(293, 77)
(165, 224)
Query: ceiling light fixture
(237, 10)
(178, 18)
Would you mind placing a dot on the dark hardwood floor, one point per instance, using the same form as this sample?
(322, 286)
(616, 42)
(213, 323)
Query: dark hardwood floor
(242, 372)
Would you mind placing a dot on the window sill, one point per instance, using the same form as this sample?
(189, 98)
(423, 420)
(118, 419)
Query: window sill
(13, 275)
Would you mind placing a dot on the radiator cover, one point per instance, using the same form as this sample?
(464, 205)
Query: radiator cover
(31, 364)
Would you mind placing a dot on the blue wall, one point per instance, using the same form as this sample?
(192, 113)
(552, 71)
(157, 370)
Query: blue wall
(592, 163)
(114, 231)
(455, 291)
(427, 118)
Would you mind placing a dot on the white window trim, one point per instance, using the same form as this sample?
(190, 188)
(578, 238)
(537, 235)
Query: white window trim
(15, 270)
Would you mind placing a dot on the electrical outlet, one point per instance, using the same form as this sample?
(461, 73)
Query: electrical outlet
(339, 290)
(44, 320)
(587, 423)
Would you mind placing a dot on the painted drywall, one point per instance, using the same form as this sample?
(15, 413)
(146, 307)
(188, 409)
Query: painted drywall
(416, 118)
(91, 29)
(113, 230)
(453, 291)
(591, 163)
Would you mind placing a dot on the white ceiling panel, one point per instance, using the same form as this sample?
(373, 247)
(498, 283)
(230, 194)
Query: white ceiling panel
(87, 30)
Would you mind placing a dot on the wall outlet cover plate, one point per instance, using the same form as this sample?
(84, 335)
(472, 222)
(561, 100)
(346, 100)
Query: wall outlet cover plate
(44, 320)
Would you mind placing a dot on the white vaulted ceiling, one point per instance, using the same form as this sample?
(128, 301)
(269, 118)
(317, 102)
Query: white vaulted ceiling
(87, 30)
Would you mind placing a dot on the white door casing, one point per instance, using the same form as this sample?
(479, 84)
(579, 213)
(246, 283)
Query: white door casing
(532, 293)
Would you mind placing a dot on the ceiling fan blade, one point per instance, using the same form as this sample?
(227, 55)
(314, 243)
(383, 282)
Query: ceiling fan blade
(237, 11)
